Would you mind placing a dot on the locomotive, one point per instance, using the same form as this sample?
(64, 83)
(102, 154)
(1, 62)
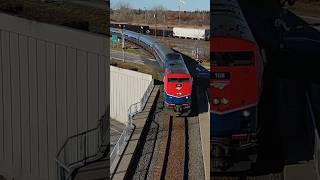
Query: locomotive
(235, 84)
(176, 77)
(177, 84)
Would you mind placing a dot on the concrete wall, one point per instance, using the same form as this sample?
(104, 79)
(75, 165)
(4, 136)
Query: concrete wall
(126, 87)
(53, 84)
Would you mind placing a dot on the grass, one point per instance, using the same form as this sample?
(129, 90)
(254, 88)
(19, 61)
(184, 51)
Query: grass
(134, 50)
(130, 48)
(64, 13)
(156, 74)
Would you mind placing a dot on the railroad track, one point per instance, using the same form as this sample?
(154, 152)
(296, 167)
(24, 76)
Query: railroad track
(173, 155)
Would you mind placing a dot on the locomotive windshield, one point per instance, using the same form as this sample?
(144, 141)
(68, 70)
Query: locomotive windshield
(239, 58)
(178, 79)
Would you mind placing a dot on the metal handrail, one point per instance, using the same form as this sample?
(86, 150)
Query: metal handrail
(139, 106)
(124, 137)
(64, 168)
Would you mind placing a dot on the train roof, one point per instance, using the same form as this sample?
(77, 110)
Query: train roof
(227, 20)
(174, 64)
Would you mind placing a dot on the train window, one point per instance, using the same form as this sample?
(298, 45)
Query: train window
(173, 56)
(178, 79)
(183, 79)
(172, 79)
(239, 58)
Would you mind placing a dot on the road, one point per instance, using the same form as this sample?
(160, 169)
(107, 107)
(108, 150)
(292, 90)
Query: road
(130, 57)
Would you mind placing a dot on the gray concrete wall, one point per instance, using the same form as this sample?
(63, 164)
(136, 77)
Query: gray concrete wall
(126, 87)
(53, 84)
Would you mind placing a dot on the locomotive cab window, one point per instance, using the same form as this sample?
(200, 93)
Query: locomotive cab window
(178, 79)
(239, 58)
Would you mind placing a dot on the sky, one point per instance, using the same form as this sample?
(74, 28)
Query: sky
(189, 5)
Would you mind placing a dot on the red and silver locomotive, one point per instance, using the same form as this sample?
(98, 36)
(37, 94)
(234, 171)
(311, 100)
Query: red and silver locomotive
(235, 82)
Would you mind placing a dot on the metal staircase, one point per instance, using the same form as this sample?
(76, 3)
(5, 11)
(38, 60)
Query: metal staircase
(82, 149)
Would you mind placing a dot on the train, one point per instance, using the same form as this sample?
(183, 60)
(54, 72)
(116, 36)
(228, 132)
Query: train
(192, 33)
(236, 70)
(175, 32)
(177, 79)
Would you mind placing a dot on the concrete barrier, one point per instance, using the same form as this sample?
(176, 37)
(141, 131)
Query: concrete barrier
(126, 87)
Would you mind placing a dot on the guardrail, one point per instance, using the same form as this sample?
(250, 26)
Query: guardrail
(124, 137)
(79, 149)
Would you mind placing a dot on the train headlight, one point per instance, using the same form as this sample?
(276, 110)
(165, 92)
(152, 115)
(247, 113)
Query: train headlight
(224, 101)
(216, 101)
(246, 113)
(187, 97)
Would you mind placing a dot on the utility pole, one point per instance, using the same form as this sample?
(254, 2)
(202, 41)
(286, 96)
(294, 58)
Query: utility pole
(197, 55)
(164, 22)
(179, 15)
(123, 45)
(155, 16)
(145, 16)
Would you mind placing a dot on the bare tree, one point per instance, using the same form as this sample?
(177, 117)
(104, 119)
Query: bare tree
(125, 10)
(160, 10)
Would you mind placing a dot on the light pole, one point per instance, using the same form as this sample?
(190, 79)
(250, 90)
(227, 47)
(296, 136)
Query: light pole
(164, 22)
(179, 15)
(145, 16)
(123, 46)
(155, 16)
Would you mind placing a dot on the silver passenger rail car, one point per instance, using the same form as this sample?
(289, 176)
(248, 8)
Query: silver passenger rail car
(148, 43)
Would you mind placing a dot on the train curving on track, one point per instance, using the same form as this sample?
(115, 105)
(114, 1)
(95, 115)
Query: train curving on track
(177, 79)
(235, 86)
(175, 32)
